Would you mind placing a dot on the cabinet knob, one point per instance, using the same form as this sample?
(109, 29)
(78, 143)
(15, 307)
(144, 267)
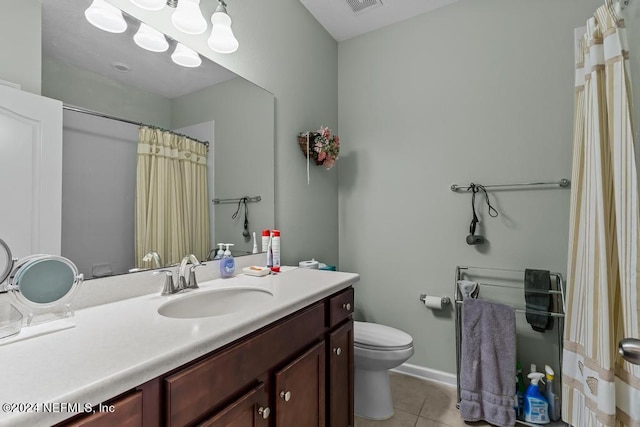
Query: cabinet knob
(337, 351)
(286, 395)
(346, 306)
(264, 412)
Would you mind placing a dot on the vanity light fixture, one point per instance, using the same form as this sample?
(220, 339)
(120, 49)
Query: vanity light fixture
(186, 57)
(150, 39)
(222, 39)
(106, 17)
(149, 4)
(188, 17)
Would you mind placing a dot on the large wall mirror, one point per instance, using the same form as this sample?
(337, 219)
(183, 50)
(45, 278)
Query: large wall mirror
(108, 73)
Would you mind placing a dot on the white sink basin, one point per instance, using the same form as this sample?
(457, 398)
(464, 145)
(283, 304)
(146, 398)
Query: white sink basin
(216, 302)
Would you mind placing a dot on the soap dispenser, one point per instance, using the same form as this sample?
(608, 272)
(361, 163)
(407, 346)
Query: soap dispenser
(227, 263)
(220, 253)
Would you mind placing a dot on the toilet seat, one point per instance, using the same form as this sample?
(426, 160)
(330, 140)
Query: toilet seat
(374, 336)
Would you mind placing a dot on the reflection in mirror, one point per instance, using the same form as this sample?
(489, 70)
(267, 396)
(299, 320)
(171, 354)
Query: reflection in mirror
(108, 73)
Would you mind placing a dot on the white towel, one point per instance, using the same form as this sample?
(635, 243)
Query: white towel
(468, 289)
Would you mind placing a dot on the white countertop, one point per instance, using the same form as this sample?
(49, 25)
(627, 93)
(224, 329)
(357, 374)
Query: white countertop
(117, 346)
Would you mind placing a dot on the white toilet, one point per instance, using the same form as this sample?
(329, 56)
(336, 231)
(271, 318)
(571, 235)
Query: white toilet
(377, 348)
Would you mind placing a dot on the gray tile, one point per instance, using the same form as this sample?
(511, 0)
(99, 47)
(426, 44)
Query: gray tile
(399, 419)
(408, 392)
(426, 422)
(434, 402)
(440, 404)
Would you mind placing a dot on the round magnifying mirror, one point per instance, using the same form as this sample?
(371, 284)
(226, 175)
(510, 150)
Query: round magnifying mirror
(44, 280)
(6, 262)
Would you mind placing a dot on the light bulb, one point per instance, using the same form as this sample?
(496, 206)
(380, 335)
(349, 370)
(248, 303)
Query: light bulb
(106, 17)
(188, 18)
(185, 57)
(150, 39)
(149, 4)
(222, 39)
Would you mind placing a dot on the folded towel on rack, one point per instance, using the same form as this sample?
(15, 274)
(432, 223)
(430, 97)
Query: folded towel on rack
(468, 289)
(488, 362)
(537, 284)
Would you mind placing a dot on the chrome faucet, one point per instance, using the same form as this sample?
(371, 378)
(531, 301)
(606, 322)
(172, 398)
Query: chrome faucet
(153, 256)
(170, 287)
(189, 282)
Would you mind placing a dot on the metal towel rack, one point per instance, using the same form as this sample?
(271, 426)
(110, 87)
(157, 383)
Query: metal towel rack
(563, 183)
(249, 200)
(558, 312)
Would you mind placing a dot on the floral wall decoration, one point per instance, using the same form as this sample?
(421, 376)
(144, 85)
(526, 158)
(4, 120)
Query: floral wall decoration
(320, 146)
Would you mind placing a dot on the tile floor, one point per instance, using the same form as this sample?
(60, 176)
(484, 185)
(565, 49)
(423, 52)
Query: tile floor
(420, 403)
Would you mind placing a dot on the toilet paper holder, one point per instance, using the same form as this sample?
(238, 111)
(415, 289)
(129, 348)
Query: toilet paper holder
(444, 301)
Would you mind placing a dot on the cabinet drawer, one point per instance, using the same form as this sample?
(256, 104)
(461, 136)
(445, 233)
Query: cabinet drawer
(205, 385)
(340, 307)
(123, 412)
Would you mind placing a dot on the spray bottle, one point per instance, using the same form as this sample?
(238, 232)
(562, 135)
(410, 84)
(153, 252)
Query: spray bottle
(552, 398)
(536, 408)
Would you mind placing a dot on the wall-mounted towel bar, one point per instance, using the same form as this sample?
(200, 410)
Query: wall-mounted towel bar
(249, 200)
(563, 183)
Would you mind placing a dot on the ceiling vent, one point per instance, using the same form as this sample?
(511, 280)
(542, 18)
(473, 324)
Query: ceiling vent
(359, 6)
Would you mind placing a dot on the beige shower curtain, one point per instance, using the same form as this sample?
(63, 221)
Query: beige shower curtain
(599, 387)
(172, 210)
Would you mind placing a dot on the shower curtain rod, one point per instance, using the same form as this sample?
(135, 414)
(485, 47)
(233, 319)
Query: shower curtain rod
(119, 119)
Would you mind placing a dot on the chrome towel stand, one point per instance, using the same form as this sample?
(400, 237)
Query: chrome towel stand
(563, 183)
(466, 272)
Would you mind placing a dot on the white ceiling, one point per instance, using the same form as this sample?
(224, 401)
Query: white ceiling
(339, 19)
(69, 38)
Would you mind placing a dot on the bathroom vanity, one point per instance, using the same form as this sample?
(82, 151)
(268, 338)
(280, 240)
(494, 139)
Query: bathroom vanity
(288, 362)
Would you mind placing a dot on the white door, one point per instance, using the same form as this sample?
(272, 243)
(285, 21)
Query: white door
(30, 172)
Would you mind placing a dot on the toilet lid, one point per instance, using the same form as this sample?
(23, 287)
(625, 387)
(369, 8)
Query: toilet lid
(373, 335)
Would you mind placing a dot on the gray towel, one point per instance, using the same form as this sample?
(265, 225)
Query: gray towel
(537, 284)
(488, 366)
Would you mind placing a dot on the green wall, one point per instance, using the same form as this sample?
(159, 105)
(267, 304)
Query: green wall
(81, 88)
(21, 43)
(243, 152)
(478, 91)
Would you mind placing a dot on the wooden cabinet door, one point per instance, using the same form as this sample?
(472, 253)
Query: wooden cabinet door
(123, 412)
(340, 387)
(300, 390)
(250, 410)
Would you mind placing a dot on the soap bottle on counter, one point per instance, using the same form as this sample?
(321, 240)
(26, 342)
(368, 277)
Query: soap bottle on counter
(220, 253)
(227, 263)
(275, 250)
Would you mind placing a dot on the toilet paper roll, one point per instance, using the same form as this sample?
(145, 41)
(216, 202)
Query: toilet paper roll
(312, 264)
(433, 302)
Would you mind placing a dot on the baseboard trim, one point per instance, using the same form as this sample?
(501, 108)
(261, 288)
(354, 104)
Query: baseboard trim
(426, 374)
